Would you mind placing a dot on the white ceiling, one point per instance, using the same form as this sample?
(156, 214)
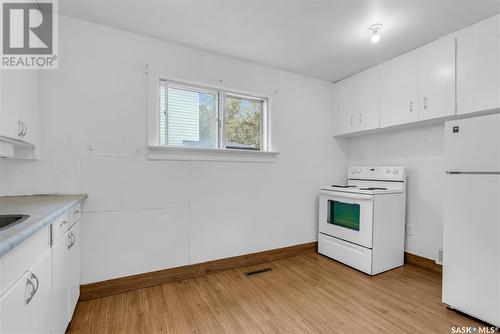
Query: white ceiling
(324, 39)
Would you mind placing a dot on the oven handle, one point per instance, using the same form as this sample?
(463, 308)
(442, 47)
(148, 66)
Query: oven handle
(345, 195)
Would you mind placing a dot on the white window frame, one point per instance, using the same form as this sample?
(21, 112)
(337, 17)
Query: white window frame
(169, 152)
(188, 87)
(264, 133)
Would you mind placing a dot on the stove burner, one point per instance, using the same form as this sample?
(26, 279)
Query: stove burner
(342, 186)
(373, 188)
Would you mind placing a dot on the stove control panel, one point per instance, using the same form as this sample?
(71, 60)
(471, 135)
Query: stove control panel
(392, 173)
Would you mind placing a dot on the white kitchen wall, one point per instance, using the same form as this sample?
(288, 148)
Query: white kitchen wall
(421, 151)
(147, 215)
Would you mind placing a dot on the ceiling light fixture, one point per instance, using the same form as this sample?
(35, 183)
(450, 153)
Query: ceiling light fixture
(375, 29)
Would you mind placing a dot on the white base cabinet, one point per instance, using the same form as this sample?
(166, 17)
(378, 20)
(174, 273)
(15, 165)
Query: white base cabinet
(66, 277)
(39, 284)
(74, 268)
(27, 306)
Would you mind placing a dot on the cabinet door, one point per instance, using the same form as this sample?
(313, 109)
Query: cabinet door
(61, 277)
(40, 303)
(437, 79)
(399, 86)
(11, 93)
(19, 104)
(347, 104)
(29, 112)
(13, 307)
(367, 99)
(74, 262)
(478, 67)
(359, 101)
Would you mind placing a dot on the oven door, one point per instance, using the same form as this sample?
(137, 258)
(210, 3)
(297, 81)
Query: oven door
(346, 216)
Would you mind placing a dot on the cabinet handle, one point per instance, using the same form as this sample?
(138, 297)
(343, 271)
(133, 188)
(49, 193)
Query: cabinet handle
(33, 288)
(19, 128)
(76, 212)
(352, 122)
(425, 103)
(72, 238)
(22, 129)
(411, 106)
(360, 119)
(62, 223)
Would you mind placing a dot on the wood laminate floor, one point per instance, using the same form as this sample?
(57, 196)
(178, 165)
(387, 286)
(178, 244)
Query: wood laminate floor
(303, 294)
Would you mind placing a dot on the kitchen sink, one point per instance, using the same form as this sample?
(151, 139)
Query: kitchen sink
(7, 221)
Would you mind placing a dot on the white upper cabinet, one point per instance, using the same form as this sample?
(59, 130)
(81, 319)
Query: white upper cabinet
(19, 105)
(399, 90)
(478, 67)
(368, 99)
(358, 104)
(454, 75)
(419, 85)
(437, 79)
(347, 104)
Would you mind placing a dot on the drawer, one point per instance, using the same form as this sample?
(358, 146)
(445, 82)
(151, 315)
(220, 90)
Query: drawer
(353, 255)
(59, 226)
(74, 213)
(14, 264)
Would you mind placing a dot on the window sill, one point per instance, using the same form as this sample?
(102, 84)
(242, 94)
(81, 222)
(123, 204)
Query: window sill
(209, 154)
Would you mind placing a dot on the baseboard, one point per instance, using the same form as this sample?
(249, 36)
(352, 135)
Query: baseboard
(423, 263)
(130, 283)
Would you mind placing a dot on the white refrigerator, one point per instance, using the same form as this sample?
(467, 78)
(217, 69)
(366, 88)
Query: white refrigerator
(471, 246)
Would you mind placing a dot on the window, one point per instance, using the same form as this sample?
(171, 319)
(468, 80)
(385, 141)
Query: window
(199, 117)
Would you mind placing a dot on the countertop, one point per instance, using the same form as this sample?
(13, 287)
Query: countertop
(43, 209)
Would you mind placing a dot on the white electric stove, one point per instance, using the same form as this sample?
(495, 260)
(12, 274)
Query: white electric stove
(362, 223)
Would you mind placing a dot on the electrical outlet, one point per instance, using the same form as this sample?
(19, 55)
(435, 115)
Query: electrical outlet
(409, 230)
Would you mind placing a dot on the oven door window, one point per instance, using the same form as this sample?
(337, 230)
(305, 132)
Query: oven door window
(343, 214)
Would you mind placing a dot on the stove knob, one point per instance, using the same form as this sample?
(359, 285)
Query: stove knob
(395, 171)
(388, 170)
